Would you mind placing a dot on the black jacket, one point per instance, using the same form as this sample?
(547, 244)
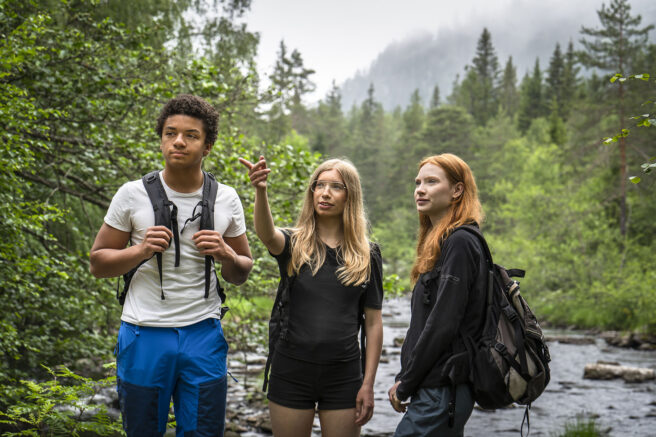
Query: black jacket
(446, 302)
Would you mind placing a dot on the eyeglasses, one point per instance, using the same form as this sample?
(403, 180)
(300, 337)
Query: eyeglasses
(336, 187)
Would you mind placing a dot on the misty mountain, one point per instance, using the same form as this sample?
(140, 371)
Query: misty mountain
(523, 30)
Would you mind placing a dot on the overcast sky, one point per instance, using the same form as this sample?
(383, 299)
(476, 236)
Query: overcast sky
(339, 37)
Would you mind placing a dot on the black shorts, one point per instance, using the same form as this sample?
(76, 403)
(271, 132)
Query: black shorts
(304, 385)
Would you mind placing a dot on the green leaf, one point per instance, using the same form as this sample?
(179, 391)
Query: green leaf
(635, 179)
(614, 78)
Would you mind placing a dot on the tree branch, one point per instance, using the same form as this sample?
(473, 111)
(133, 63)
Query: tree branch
(102, 202)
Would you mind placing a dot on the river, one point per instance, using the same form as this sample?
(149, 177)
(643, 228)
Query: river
(622, 409)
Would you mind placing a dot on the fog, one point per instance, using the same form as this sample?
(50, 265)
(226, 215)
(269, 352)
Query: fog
(417, 43)
(525, 31)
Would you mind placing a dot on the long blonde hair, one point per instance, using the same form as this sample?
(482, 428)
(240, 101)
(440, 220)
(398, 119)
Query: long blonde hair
(307, 247)
(465, 209)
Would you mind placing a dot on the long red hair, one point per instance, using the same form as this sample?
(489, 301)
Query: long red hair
(465, 209)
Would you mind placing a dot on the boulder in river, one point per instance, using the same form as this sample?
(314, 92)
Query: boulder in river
(604, 370)
(568, 339)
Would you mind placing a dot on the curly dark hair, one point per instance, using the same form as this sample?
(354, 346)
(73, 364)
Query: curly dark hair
(193, 106)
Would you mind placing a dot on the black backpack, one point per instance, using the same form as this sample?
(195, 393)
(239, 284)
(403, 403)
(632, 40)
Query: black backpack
(510, 360)
(166, 214)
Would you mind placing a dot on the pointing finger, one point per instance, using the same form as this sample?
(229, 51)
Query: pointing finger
(246, 163)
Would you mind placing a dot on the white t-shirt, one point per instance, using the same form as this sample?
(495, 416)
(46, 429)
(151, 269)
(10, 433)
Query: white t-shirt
(184, 286)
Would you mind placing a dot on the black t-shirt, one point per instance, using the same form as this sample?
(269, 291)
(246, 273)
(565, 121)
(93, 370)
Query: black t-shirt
(323, 312)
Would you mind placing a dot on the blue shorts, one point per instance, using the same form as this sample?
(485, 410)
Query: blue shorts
(428, 413)
(188, 364)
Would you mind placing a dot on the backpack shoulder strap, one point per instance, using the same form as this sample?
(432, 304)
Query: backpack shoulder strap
(210, 188)
(374, 250)
(511, 273)
(490, 274)
(279, 321)
(163, 216)
(158, 198)
(477, 232)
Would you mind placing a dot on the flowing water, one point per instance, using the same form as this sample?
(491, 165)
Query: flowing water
(622, 409)
(626, 409)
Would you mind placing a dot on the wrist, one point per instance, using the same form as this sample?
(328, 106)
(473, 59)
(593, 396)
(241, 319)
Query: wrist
(399, 394)
(143, 251)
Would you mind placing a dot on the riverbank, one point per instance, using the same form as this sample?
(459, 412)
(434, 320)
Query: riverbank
(629, 340)
(619, 407)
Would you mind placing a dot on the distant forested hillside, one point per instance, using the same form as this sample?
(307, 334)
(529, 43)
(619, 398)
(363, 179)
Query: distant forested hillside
(529, 31)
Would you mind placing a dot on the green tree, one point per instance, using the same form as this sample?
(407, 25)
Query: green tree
(290, 81)
(508, 95)
(435, 98)
(614, 48)
(69, 88)
(557, 129)
(531, 104)
(409, 145)
(80, 95)
(369, 149)
(478, 92)
(413, 117)
(570, 82)
(447, 129)
(555, 81)
(486, 66)
(329, 128)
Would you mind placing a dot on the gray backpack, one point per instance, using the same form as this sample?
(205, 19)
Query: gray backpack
(510, 359)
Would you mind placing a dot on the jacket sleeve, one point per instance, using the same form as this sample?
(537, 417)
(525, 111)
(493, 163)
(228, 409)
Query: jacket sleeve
(459, 270)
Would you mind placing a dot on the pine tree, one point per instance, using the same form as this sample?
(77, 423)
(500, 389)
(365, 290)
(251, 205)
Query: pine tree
(435, 98)
(329, 132)
(555, 81)
(570, 82)
(531, 104)
(368, 147)
(614, 48)
(557, 130)
(290, 81)
(281, 84)
(478, 92)
(447, 129)
(486, 66)
(508, 96)
(413, 117)
(409, 141)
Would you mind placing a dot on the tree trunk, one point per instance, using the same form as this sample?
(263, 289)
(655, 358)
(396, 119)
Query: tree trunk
(623, 218)
(623, 215)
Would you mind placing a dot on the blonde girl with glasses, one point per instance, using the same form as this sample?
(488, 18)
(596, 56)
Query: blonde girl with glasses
(331, 285)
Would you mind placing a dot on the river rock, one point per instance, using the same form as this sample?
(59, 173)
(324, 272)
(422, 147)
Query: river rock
(601, 370)
(631, 340)
(569, 340)
(255, 359)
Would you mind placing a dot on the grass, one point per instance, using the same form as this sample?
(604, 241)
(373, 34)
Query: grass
(584, 426)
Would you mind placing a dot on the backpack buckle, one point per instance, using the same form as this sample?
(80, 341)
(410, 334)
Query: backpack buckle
(500, 347)
(510, 313)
